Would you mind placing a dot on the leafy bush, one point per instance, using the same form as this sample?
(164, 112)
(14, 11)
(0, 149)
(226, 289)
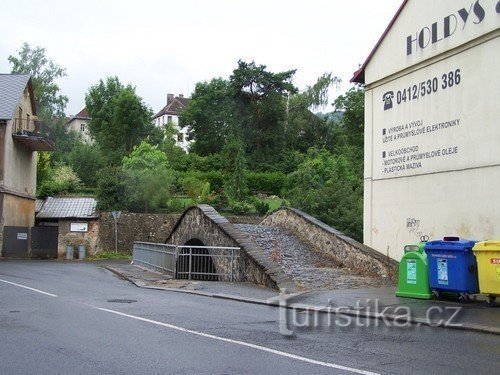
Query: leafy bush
(215, 178)
(268, 182)
(207, 163)
(61, 180)
(191, 186)
(206, 197)
(241, 207)
(261, 207)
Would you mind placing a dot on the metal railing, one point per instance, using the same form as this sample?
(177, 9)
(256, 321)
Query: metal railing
(155, 256)
(33, 128)
(210, 263)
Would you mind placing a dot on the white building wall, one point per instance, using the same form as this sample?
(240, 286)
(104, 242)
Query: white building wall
(76, 126)
(432, 155)
(164, 119)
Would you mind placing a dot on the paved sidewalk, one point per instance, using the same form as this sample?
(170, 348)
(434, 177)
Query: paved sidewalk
(376, 303)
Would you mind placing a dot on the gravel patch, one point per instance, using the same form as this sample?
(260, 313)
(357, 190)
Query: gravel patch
(308, 268)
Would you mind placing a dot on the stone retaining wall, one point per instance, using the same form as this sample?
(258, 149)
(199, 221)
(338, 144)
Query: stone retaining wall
(134, 227)
(145, 227)
(344, 250)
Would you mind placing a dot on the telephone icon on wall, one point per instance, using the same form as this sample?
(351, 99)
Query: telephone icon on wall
(387, 99)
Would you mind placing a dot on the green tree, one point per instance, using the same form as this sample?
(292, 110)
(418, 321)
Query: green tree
(113, 189)
(303, 128)
(351, 130)
(235, 184)
(86, 159)
(175, 154)
(66, 140)
(210, 114)
(151, 178)
(44, 73)
(327, 187)
(120, 119)
(43, 167)
(261, 105)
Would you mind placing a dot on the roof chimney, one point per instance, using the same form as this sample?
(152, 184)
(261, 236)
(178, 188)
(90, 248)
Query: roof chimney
(181, 96)
(170, 98)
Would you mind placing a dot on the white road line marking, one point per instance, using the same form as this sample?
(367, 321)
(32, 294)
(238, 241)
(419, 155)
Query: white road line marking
(242, 343)
(27, 287)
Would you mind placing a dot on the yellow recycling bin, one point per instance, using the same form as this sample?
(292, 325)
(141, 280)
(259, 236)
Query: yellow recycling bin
(488, 268)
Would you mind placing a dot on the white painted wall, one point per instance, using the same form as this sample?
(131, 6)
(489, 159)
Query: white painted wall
(163, 120)
(432, 159)
(76, 126)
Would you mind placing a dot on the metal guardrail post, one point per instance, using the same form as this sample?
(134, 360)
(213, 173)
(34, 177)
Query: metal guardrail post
(190, 261)
(232, 265)
(176, 257)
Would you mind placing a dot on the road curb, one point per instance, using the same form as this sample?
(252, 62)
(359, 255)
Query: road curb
(311, 308)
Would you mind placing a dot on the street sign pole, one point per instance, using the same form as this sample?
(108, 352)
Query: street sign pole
(116, 217)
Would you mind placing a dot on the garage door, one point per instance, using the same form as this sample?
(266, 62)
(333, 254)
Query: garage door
(15, 242)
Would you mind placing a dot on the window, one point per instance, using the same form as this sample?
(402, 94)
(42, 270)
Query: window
(162, 120)
(82, 127)
(180, 137)
(169, 118)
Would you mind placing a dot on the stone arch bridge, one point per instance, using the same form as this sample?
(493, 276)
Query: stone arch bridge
(203, 225)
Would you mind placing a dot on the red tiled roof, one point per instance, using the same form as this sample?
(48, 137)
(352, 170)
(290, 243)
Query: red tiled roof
(83, 113)
(174, 107)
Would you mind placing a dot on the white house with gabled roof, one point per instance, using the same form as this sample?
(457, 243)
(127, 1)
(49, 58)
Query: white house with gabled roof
(170, 114)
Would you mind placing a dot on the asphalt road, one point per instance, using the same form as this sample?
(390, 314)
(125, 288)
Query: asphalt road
(79, 318)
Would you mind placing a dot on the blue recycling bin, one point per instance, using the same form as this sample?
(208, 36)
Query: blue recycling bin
(452, 267)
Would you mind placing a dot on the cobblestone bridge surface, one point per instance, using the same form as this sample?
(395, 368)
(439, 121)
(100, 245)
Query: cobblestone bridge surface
(307, 267)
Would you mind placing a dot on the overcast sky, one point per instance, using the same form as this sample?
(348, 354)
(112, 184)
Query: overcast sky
(168, 46)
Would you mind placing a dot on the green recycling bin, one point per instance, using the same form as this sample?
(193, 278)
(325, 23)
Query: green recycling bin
(413, 281)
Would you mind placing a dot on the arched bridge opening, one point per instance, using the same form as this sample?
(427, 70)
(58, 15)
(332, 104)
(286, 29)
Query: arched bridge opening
(194, 262)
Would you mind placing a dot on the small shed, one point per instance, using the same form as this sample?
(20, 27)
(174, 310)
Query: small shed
(77, 221)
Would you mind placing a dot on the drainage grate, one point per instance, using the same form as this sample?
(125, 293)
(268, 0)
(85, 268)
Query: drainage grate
(122, 300)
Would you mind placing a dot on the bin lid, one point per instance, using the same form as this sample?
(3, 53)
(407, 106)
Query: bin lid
(450, 244)
(487, 246)
(418, 248)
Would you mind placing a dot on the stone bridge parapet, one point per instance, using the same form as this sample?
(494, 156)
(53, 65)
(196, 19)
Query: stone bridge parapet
(346, 251)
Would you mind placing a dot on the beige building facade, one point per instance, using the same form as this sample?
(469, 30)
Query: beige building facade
(21, 136)
(432, 125)
(80, 125)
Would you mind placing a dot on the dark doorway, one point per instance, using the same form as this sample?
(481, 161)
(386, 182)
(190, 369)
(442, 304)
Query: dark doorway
(44, 242)
(200, 260)
(15, 242)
